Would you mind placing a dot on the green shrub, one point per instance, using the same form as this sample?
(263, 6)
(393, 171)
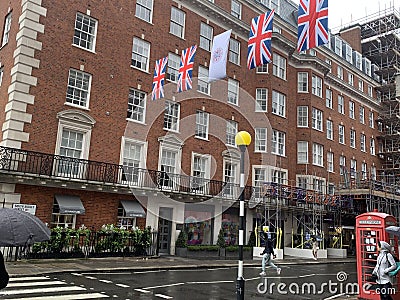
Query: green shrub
(181, 242)
(221, 241)
(203, 248)
(236, 248)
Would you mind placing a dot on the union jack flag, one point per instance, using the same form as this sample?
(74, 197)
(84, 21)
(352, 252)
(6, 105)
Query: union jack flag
(185, 69)
(259, 45)
(158, 79)
(312, 24)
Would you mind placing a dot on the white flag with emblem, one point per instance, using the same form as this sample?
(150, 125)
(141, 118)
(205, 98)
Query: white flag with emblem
(219, 54)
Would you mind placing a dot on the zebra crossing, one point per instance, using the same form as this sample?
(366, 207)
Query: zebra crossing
(46, 288)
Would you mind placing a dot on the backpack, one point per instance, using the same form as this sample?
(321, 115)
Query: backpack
(396, 271)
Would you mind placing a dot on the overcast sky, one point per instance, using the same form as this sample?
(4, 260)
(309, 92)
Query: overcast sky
(342, 12)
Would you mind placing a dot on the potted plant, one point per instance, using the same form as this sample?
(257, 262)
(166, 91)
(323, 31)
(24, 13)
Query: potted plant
(221, 243)
(181, 244)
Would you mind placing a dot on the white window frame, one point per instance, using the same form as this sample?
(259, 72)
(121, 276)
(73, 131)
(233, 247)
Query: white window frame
(279, 66)
(206, 36)
(360, 85)
(261, 100)
(140, 54)
(278, 102)
(330, 161)
(341, 104)
(328, 97)
(205, 174)
(236, 9)
(233, 91)
(302, 152)
(316, 86)
(352, 138)
(6, 29)
(136, 106)
(90, 34)
(1, 74)
(362, 114)
(234, 51)
(372, 146)
(231, 176)
(176, 22)
(363, 141)
(302, 116)
(173, 67)
(231, 131)
(203, 86)
(302, 82)
(317, 118)
(350, 77)
(263, 69)
(353, 168)
(78, 93)
(131, 171)
(202, 124)
(340, 72)
(144, 10)
(260, 143)
(318, 155)
(364, 169)
(329, 130)
(342, 164)
(351, 109)
(278, 143)
(371, 119)
(172, 118)
(341, 133)
(370, 91)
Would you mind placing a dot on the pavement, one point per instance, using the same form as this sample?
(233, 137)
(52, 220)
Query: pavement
(34, 267)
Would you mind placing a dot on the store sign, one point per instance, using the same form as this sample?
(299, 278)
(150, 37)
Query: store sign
(370, 222)
(25, 207)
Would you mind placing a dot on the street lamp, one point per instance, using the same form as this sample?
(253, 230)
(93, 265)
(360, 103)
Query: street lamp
(242, 139)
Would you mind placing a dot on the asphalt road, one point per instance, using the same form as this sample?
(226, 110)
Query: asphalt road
(322, 281)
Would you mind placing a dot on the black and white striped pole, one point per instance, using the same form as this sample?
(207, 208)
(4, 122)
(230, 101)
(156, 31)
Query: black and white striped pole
(242, 139)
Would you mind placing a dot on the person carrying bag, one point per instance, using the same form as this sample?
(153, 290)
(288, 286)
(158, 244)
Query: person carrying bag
(4, 278)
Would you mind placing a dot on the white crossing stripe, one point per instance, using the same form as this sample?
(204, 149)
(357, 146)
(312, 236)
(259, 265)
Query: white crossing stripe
(76, 274)
(105, 281)
(12, 279)
(142, 291)
(43, 290)
(67, 297)
(163, 296)
(122, 285)
(90, 277)
(39, 283)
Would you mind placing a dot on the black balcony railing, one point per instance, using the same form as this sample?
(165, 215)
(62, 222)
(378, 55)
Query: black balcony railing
(55, 166)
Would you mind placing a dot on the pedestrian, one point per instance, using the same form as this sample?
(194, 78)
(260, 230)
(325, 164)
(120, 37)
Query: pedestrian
(267, 256)
(4, 278)
(384, 264)
(315, 248)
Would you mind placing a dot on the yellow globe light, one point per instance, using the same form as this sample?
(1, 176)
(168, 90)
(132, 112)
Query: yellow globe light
(243, 138)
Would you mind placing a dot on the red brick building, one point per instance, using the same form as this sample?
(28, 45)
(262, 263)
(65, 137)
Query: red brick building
(84, 143)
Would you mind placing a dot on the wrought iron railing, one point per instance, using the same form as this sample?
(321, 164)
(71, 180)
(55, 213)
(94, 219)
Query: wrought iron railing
(57, 166)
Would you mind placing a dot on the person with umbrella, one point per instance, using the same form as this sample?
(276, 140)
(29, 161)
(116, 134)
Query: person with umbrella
(4, 278)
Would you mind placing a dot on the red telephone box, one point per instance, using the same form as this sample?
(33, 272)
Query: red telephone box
(370, 229)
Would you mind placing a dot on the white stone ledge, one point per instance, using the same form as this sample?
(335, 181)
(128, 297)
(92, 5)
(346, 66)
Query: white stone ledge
(29, 15)
(19, 87)
(28, 79)
(31, 25)
(22, 49)
(26, 32)
(11, 144)
(21, 97)
(16, 135)
(20, 68)
(26, 60)
(13, 124)
(38, 2)
(19, 116)
(35, 8)
(15, 105)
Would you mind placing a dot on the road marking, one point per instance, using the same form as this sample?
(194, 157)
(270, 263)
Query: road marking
(76, 274)
(105, 281)
(90, 277)
(44, 290)
(163, 296)
(12, 279)
(142, 291)
(308, 275)
(152, 271)
(108, 273)
(162, 286)
(122, 285)
(334, 296)
(210, 282)
(254, 278)
(67, 297)
(23, 284)
(218, 269)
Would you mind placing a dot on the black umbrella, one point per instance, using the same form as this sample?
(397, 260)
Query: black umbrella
(19, 228)
(395, 230)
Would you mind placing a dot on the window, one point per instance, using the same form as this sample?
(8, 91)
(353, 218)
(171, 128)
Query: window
(236, 9)
(171, 116)
(261, 100)
(341, 134)
(370, 91)
(372, 146)
(340, 104)
(206, 36)
(62, 220)
(317, 86)
(234, 51)
(263, 69)
(168, 167)
(6, 29)
(342, 164)
(371, 119)
(233, 91)
(177, 24)
(71, 146)
(363, 146)
(279, 66)
(230, 177)
(329, 160)
(302, 182)
(173, 67)
(318, 154)
(85, 32)
(302, 152)
(136, 105)
(318, 185)
(351, 109)
(340, 72)
(353, 168)
(278, 143)
(363, 171)
(140, 54)
(302, 116)
(1, 74)
(231, 130)
(144, 10)
(278, 104)
(202, 81)
(362, 115)
(302, 82)
(328, 95)
(329, 130)
(360, 85)
(78, 89)
(125, 220)
(278, 176)
(357, 61)
(348, 53)
(260, 140)
(350, 77)
(373, 173)
(259, 181)
(200, 172)
(317, 119)
(202, 120)
(352, 138)
(132, 160)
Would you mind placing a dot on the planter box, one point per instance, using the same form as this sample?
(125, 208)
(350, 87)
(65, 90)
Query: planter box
(183, 252)
(203, 254)
(247, 254)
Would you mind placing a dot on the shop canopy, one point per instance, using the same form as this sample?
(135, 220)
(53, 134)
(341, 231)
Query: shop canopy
(133, 209)
(70, 204)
